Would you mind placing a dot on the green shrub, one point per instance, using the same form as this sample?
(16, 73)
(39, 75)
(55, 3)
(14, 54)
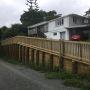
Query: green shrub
(72, 80)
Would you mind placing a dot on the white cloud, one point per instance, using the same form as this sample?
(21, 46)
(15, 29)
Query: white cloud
(10, 10)
(66, 6)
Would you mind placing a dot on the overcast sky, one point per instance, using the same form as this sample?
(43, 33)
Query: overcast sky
(10, 10)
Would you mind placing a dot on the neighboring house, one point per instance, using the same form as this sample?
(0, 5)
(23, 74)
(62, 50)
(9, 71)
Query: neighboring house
(62, 28)
(38, 30)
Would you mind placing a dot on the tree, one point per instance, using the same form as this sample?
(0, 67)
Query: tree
(31, 17)
(36, 16)
(14, 30)
(4, 32)
(18, 29)
(51, 15)
(33, 5)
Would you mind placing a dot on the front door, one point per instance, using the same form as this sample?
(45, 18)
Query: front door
(62, 35)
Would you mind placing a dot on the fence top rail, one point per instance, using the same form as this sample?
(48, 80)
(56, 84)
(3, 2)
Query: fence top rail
(77, 42)
(45, 39)
(36, 38)
(30, 38)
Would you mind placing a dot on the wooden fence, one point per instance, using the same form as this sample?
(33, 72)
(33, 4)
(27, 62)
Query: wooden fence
(69, 55)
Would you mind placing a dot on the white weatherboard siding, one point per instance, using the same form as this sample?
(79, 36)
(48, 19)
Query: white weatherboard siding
(52, 36)
(52, 28)
(66, 21)
(52, 24)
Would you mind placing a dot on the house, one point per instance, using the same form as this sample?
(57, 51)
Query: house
(64, 27)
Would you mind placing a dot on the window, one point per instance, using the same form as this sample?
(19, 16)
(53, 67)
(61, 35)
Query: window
(85, 21)
(62, 21)
(82, 20)
(54, 34)
(74, 20)
(59, 22)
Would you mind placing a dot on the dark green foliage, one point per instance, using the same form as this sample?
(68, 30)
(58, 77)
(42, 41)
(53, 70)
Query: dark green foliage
(69, 79)
(14, 30)
(36, 16)
(5, 32)
(19, 29)
(9, 60)
(58, 75)
(74, 83)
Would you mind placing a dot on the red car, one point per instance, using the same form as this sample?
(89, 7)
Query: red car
(76, 37)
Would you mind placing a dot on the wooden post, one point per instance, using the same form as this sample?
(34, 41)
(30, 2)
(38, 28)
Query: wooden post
(37, 57)
(51, 59)
(60, 56)
(81, 51)
(5, 47)
(6, 50)
(23, 54)
(32, 57)
(35, 51)
(9, 50)
(14, 51)
(17, 51)
(51, 63)
(63, 52)
(43, 59)
(74, 67)
(27, 55)
(62, 47)
(20, 53)
(51, 45)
